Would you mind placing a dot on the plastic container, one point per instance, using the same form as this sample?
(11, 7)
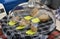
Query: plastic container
(27, 9)
(22, 15)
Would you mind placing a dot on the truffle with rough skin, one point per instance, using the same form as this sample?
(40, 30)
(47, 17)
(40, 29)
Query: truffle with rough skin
(44, 17)
(34, 29)
(34, 12)
(24, 22)
(15, 18)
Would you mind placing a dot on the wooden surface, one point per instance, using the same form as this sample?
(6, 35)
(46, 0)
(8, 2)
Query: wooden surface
(57, 22)
(57, 25)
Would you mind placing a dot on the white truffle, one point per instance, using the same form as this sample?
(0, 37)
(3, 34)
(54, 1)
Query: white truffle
(44, 17)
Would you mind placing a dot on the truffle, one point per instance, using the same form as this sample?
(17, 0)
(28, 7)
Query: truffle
(44, 17)
(33, 28)
(34, 12)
